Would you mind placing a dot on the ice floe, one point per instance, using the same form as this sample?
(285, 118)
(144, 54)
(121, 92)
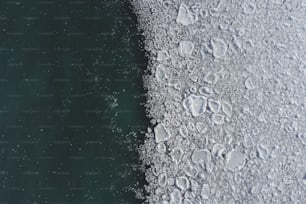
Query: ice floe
(161, 133)
(235, 160)
(185, 16)
(195, 104)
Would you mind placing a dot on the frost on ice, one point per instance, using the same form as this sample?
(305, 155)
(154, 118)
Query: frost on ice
(186, 48)
(185, 16)
(161, 133)
(235, 160)
(196, 105)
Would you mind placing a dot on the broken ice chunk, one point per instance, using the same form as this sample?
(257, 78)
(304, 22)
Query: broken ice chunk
(175, 197)
(219, 47)
(161, 133)
(249, 83)
(161, 148)
(162, 179)
(201, 127)
(214, 105)
(186, 48)
(218, 149)
(176, 154)
(183, 131)
(205, 91)
(217, 119)
(190, 170)
(262, 152)
(248, 8)
(182, 183)
(211, 78)
(160, 73)
(187, 201)
(201, 156)
(227, 108)
(196, 105)
(205, 192)
(235, 160)
(185, 16)
(162, 55)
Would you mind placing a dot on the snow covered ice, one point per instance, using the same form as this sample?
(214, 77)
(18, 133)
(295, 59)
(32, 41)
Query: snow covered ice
(227, 99)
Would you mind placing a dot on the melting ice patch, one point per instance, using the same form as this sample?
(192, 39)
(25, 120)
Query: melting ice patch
(196, 105)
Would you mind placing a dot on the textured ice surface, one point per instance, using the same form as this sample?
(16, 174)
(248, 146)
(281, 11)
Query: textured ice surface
(232, 95)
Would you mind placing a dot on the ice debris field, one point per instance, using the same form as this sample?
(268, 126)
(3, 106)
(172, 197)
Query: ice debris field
(226, 96)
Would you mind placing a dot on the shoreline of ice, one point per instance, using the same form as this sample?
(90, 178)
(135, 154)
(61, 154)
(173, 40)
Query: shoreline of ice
(227, 98)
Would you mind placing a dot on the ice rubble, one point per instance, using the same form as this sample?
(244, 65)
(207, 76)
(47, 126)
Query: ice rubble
(227, 98)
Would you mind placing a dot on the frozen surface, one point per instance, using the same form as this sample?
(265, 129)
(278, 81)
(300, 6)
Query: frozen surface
(227, 98)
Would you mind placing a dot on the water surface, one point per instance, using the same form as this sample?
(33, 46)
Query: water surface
(70, 113)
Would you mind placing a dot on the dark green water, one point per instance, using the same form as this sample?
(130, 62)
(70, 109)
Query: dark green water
(70, 95)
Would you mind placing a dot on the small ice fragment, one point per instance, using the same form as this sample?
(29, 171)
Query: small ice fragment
(214, 105)
(175, 197)
(185, 16)
(227, 108)
(217, 119)
(249, 83)
(162, 179)
(160, 73)
(219, 47)
(205, 192)
(162, 55)
(262, 152)
(186, 48)
(182, 183)
(196, 105)
(161, 134)
(235, 160)
(201, 156)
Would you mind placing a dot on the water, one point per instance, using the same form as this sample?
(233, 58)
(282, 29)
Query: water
(70, 108)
